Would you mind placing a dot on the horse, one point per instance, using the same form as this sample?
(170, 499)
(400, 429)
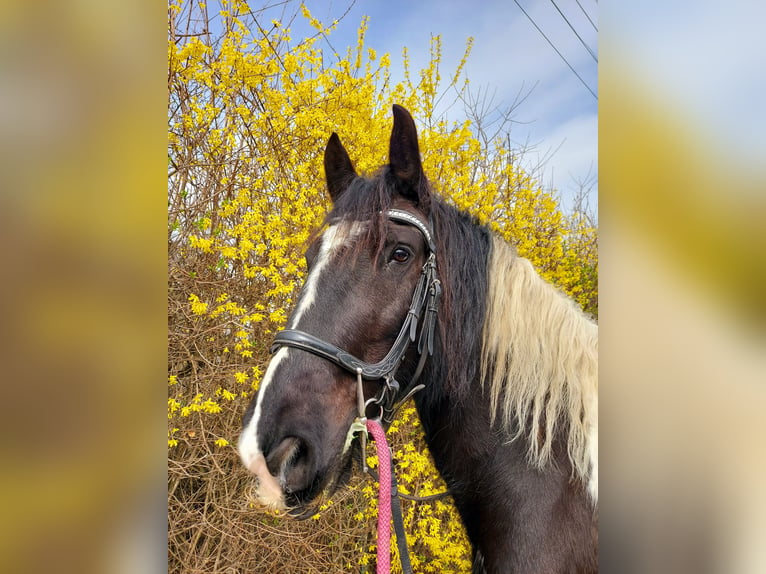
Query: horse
(402, 286)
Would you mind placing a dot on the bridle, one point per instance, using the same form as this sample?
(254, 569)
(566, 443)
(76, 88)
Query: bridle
(425, 300)
(424, 304)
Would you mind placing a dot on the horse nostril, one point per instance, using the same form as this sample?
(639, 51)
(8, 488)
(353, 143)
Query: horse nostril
(289, 461)
(282, 455)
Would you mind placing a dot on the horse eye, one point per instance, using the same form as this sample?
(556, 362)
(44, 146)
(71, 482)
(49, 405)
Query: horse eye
(400, 255)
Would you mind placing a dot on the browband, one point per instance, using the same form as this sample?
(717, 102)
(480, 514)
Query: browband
(408, 218)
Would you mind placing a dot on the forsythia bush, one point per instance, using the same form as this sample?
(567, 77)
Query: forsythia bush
(249, 112)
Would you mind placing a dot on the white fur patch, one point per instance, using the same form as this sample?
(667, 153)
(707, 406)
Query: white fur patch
(334, 237)
(593, 454)
(269, 487)
(268, 490)
(591, 441)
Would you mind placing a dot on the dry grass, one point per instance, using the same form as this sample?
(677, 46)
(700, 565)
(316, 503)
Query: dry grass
(213, 525)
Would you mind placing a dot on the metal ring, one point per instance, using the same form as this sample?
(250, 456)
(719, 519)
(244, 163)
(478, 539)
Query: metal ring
(381, 409)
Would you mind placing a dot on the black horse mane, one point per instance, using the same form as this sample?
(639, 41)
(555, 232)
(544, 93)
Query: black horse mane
(463, 248)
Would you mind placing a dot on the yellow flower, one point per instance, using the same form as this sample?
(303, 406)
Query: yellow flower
(197, 306)
(240, 241)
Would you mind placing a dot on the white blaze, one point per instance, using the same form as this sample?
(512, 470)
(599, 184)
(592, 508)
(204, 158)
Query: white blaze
(268, 488)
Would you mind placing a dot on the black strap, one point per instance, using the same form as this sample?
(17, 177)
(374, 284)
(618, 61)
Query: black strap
(409, 219)
(423, 306)
(396, 512)
(424, 302)
(371, 371)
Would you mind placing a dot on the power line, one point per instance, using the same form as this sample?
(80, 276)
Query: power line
(592, 55)
(554, 47)
(586, 15)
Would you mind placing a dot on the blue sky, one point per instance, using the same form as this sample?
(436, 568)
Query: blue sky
(558, 120)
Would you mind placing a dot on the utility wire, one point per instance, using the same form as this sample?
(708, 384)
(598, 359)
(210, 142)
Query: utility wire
(586, 15)
(554, 47)
(592, 55)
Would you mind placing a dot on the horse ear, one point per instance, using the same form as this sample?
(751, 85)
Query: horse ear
(404, 156)
(338, 169)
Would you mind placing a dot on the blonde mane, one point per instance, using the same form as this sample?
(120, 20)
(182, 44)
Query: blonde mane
(540, 363)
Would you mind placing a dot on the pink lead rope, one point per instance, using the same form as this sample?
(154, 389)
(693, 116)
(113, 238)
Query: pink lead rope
(384, 496)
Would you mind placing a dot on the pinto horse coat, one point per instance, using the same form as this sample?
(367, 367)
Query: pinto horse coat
(510, 404)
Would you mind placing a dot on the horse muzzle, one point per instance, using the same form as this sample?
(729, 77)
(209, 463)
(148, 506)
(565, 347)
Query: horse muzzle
(268, 490)
(286, 473)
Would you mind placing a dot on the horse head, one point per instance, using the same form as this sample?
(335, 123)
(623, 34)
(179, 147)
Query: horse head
(356, 324)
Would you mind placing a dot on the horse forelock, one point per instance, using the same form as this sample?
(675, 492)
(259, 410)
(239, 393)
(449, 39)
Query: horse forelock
(539, 362)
